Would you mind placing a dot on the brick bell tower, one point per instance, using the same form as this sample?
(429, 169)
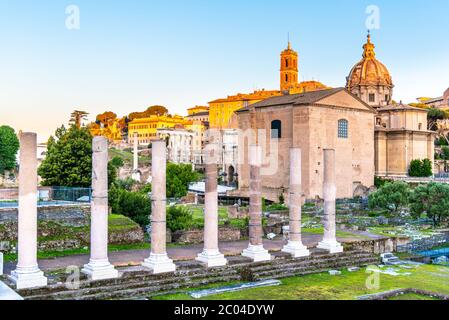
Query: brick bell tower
(289, 69)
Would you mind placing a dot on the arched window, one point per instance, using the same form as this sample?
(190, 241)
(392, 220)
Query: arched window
(286, 78)
(286, 63)
(343, 128)
(276, 129)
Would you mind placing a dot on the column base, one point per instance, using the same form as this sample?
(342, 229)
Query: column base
(136, 176)
(100, 270)
(28, 278)
(331, 246)
(159, 263)
(296, 249)
(212, 258)
(256, 253)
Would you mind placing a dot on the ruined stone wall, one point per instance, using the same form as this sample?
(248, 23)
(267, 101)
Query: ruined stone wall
(197, 236)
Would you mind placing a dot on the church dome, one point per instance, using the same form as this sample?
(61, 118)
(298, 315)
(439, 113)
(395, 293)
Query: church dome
(369, 71)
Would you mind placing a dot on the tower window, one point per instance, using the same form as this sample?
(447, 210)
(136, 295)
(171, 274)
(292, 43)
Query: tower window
(286, 63)
(343, 128)
(372, 97)
(276, 129)
(286, 78)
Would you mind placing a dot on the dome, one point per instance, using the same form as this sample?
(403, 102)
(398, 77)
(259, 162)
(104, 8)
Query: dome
(369, 71)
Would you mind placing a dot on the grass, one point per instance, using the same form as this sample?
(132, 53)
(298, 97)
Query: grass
(347, 286)
(128, 156)
(339, 233)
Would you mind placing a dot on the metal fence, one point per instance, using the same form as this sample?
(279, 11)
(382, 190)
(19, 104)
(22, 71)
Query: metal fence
(424, 244)
(47, 196)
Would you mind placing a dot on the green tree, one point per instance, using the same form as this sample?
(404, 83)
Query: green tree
(431, 199)
(433, 115)
(9, 145)
(392, 196)
(179, 176)
(68, 161)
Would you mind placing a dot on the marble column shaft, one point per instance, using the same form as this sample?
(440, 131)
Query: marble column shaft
(211, 255)
(330, 194)
(27, 273)
(295, 246)
(255, 200)
(99, 267)
(158, 262)
(255, 250)
(136, 152)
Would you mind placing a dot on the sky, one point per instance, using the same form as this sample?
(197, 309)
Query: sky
(124, 56)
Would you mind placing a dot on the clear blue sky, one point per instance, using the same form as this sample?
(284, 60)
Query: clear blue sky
(128, 55)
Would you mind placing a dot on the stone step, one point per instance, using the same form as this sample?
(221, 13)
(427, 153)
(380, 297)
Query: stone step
(130, 282)
(137, 283)
(301, 270)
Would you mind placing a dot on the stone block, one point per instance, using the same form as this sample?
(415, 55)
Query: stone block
(334, 272)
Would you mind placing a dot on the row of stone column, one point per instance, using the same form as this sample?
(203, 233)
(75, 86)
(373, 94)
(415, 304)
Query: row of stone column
(28, 275)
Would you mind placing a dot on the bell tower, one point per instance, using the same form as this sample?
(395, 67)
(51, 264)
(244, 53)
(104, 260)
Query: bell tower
(289, 69)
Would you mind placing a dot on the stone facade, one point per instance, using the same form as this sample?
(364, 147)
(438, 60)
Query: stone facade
(401, 136)
(310, 121)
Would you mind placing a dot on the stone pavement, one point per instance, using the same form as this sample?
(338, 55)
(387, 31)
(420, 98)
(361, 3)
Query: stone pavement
(178, 253)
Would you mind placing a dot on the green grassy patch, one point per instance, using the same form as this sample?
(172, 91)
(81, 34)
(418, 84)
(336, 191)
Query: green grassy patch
(118, 222)
(347, 286)
(339, 233)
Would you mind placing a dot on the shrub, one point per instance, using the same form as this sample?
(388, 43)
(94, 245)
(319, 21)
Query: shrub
(117, 162)
(392, 196)
(134, 205)
(179, 218)
(420, 168)
(277, 207)
(380, 182)
(126, 184)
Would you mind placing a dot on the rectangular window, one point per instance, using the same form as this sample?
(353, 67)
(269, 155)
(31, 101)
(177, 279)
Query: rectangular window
(343, 128)
(372, 97)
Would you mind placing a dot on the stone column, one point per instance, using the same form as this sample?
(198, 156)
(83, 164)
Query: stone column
(211, 256)
(99, 267)
(255, 250)
(329, 193)
(136, 174)
(27, 273)
(295, 246)
(158, 262)
(136, 152)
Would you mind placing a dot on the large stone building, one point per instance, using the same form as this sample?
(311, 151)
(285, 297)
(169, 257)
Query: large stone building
(312, 121)
(401, 136)
(401, 133)
(222, 115)
(221, 111)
